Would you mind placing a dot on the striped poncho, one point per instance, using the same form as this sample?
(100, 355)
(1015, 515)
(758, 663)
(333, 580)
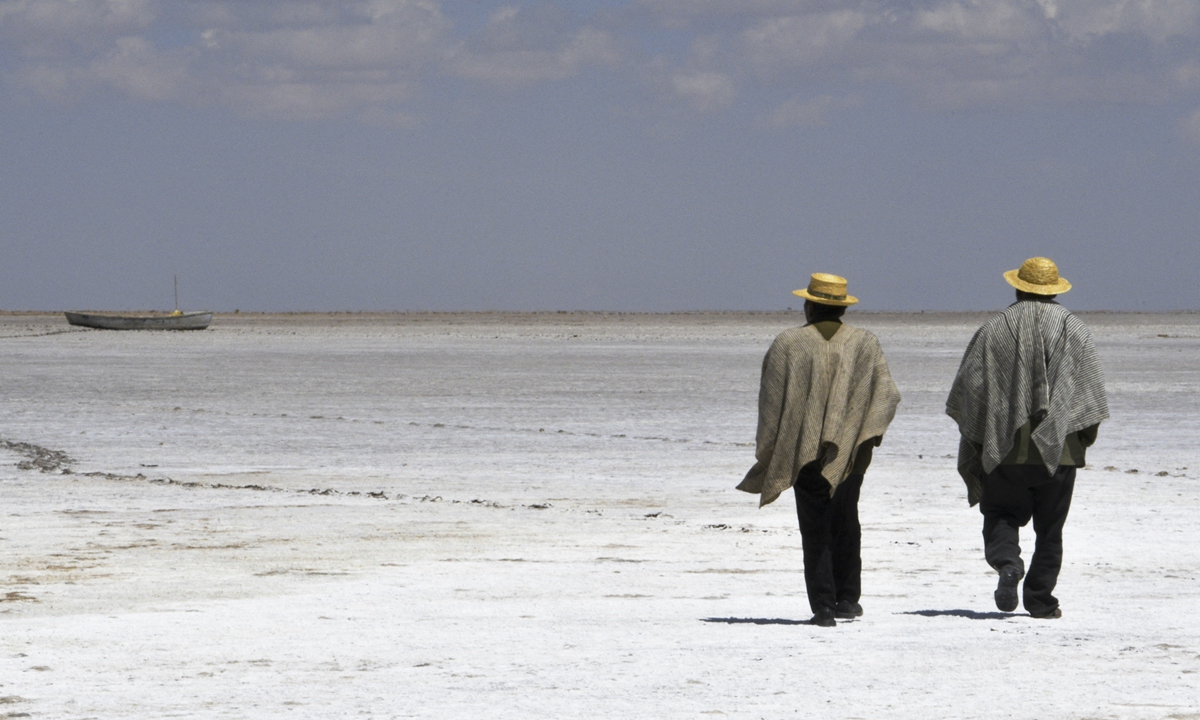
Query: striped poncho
(819, 400)
(1033, 362)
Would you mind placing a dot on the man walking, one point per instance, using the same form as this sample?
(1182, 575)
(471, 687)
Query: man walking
(825, 401)
(1028, 400)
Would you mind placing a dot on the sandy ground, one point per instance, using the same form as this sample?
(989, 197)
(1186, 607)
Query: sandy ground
(509, 516)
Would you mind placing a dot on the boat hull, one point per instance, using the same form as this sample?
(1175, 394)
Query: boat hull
(186, 321)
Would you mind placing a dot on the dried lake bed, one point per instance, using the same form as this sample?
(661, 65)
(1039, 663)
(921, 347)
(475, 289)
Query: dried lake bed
(533, 515)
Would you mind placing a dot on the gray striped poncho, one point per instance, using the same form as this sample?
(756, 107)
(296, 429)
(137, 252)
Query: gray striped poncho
(1034, 360)
(819, 400)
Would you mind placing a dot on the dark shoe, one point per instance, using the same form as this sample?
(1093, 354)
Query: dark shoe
(1054, 614)
(1006, 590)
(847, 610)
(823, 618)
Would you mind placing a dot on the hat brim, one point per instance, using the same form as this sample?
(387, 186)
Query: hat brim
(803, 292)
(1056, 289)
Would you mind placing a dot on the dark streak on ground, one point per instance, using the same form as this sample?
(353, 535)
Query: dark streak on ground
(969, 614)
(754, 621)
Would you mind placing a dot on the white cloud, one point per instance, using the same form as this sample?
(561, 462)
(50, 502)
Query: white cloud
(64, 28)
(1049, 8)
(809, 113)
(313, 100)
(138, 69)
(1190, 127)
(50, 82)
(519, 46)
(1157, 20)
(399, 36)
(1007, 51)
(1187, 75)
(800, 39)
(708, 91)
(359, 64)
(516, 65)
(504, 14)
(283, 59)
(1004, 22)
(315, 58)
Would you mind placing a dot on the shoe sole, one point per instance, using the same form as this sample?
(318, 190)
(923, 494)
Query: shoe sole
(1052, 615)
(854, 610)
(1006, 591)
(825, 621)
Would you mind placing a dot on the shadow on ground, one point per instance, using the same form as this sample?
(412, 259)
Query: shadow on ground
(969, 614)
(755, 621)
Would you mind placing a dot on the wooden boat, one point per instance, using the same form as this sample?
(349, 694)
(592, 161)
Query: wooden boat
(173, 321)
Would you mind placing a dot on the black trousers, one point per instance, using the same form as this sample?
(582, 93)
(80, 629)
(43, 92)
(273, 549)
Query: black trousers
(1012, 495)
(832, 537)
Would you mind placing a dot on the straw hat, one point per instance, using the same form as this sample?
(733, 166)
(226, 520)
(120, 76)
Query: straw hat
(1039, 276)
(827, 289)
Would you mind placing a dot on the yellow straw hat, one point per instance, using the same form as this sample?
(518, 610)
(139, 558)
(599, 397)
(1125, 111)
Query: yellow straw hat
(1038, 275)
(827, 289)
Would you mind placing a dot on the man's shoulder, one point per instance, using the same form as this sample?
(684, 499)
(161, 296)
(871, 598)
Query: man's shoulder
(799, 335)
(1024, 316)
(805, 335)
(1015, 315)
(1048, 315)
(857, 337)
(1033, 308)
(856, 331)
(802, 341)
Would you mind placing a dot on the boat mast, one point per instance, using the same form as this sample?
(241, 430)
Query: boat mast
(176, 293)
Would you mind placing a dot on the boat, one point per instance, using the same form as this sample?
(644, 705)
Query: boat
(176, 320)
(197, 320)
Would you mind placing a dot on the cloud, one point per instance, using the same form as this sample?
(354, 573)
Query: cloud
(141, 71)
(952, 53)
(314, 100)
(1190, 127)
(706, 90)
(520, 46)
(1156, 20)
(518, 65)
(810, 113)
(297, 60)
(992, 23)
(322, 58)
(395, 36)
(799, 40)
(36, 22)
(307, 62)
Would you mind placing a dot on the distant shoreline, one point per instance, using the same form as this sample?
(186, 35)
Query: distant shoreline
(492, 314)
(568, 324)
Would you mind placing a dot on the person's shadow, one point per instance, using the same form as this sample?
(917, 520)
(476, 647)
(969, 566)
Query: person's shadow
(756, 621)
(968, 614)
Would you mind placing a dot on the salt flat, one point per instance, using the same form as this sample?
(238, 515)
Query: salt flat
(509, 516)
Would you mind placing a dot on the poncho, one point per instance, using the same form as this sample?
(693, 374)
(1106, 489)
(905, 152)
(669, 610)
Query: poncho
(819, 400)
(1033, 362)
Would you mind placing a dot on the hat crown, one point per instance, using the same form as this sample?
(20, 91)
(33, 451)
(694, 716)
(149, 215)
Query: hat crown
(830, 287)
(1039, 271)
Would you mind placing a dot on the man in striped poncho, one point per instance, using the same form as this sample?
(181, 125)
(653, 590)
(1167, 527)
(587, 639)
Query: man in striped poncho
(1028, 400)
(825, 401)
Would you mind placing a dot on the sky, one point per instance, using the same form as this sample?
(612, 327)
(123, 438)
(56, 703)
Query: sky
(626, 155)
